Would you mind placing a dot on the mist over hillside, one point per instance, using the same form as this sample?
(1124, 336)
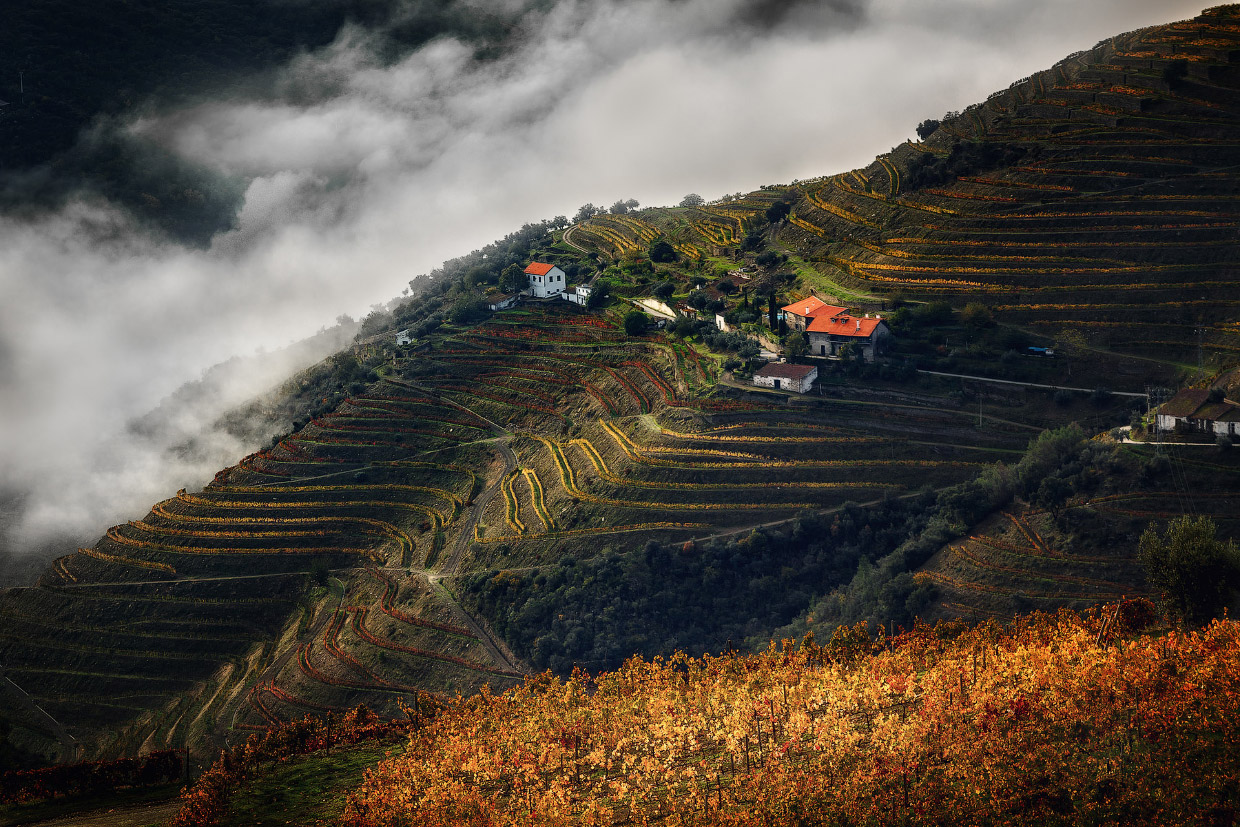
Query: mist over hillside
(230, 178)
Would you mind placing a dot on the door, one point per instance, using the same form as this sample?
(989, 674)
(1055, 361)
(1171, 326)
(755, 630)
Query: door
(776, 381)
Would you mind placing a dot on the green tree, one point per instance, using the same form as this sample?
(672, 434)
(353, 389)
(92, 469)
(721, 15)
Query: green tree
(692, 200)
(927, 128)
(514, 279)
(1071, 343)
(599, 294)
(662, 251)
(320, 574)
(976, 316)
(796, 345)
(778, 211)
(664, 290)
(684, 327)
(467, 310)
(1196, 572)
(635, 322)
(1053, 494)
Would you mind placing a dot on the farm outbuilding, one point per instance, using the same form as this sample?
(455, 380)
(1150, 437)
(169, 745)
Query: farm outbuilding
(579, 294)
(1200, 410)
(783, 376)
(502, 301)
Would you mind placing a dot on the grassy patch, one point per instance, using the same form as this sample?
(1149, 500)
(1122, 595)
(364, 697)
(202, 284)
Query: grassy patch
(813, 277)
(308, 789)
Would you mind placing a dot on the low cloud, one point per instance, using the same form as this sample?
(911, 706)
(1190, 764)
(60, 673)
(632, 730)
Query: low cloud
(362, 171)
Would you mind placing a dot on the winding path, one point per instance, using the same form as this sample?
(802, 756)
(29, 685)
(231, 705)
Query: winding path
(567, 240)
(494, 646)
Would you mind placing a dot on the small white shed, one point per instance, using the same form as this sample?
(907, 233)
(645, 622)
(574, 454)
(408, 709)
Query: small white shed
(783, 376)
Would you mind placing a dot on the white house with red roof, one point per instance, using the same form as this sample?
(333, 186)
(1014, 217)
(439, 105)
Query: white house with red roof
(829, 333)
(800, 313)
(546, 280)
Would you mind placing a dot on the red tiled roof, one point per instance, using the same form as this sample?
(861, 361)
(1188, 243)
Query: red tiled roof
(812, 306)
(844, 325)
(784, 370)
(538, 268)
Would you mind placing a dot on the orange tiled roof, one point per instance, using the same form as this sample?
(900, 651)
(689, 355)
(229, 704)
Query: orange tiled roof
(538, 268)
(843, 324)
(812, 307)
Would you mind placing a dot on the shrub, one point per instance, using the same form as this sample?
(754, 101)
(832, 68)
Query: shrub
(635, 322)
(662, 251)
(1196, 572)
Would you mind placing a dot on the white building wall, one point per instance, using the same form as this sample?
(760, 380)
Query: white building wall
(578, 295)
(801, 386)
(552, 284)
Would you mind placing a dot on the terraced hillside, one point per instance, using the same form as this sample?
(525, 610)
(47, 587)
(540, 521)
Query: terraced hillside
(283, 587)
(1081, 552)
(333, 568)
(1094, 202)
(316, 575)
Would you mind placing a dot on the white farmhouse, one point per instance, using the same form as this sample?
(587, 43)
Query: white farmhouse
(783, 376)
(404, 338)
(546, 280)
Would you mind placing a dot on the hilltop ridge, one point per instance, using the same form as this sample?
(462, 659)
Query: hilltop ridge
(1094, 203)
